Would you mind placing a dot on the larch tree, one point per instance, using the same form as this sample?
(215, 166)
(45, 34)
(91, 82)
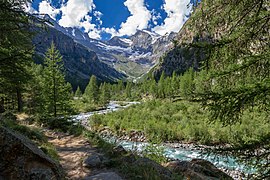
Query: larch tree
(104, 93)
(78, 92)
(91, 93)
(15, 50)
(128, 90)
(56, 91)
(234, 35)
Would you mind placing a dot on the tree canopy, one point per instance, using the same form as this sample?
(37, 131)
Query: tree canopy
(236, 38)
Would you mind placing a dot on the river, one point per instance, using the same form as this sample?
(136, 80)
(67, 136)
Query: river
(172, 151)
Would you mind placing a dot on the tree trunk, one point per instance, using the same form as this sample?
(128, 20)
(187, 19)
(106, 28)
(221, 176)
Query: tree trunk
(19, 99)
(54, 97)
(2, 106)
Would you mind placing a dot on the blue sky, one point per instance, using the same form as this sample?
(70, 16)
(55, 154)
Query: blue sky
(102, 19)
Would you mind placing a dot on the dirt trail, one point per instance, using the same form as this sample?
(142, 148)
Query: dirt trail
(72, 152)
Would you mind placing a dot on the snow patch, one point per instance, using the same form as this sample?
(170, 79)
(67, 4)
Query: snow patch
(127, 41)
(114, 48)
(153, 35)
(73, 32)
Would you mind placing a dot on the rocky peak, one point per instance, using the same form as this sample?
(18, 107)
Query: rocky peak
(117, 41)
(142, 40)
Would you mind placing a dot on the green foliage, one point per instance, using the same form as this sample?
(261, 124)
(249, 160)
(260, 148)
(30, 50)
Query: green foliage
(161, 86)
(91, 93)
(56, 92)
(8, 120)
(154, 152)
(105, 94)
(237, 60)
(78, 92)
(186, 83)
(15, 52)
(162, 120)
(128, 90)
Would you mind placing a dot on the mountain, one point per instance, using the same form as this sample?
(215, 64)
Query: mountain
(80, 62)
(180, 57)
(133, 56)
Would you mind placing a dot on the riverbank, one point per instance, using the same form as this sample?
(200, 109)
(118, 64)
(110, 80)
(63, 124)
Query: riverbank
(176, 151)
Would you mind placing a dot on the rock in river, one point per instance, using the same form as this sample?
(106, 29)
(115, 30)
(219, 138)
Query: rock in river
(198, 169)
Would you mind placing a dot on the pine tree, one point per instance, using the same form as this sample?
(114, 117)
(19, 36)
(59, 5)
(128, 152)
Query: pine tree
(187, 84)
(104, 93)
(120, 86)
(56, 91)
(175, 83)
(161, 86)
(34, 98)
(153, 88)
(234, 36)
(15, 50)
(237, 60)
(92, 91)
(128, 90)
(78, 92)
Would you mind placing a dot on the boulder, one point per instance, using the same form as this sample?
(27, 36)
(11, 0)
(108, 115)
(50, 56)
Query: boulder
(104, 176)
(119, 150)
(20, 158)
(96, 160)
(93, 160)
(197, 169)
(162, 171)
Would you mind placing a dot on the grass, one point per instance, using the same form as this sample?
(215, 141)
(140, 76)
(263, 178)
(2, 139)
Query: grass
(80, 105)
(124, 162)
(163, 120)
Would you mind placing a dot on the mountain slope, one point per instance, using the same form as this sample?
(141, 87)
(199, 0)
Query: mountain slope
(133, 56)
(79, 62)
(180, 56)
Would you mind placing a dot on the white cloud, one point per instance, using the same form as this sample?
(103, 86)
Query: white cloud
(27, 7)
(111, 31)
(94, 33)
(176, 16)
(98, 16)
(155, 16)
(75, 11)
(46, 8)
(140, 16)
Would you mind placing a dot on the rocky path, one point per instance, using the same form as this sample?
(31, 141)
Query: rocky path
(73, 151)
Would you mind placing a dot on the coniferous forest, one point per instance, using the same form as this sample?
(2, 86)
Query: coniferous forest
(220, 99)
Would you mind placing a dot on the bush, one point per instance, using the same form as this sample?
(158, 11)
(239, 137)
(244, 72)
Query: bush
(163, 120)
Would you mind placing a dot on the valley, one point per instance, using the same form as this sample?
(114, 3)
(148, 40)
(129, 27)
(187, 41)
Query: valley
(180, 91)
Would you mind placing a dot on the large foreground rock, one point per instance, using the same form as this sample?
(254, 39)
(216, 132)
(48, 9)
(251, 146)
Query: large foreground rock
(163, 172)
(104, 176)
(96, 160)
(21, 159)
(197, 169)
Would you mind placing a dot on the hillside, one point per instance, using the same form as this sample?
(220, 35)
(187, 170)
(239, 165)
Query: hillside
(79, 61)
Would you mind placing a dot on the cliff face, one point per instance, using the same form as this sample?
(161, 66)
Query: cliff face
(180, 56)
(79, 62)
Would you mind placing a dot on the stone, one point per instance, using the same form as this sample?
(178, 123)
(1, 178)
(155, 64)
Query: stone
(20, 158)
(96, 160)
(119, 150)
(104, 176)
(198, 169)
(93, 160)
(162, 171)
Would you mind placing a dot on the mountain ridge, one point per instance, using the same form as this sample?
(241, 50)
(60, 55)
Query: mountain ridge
(134, 55)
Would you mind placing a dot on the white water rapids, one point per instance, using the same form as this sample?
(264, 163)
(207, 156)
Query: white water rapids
(174, 151)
